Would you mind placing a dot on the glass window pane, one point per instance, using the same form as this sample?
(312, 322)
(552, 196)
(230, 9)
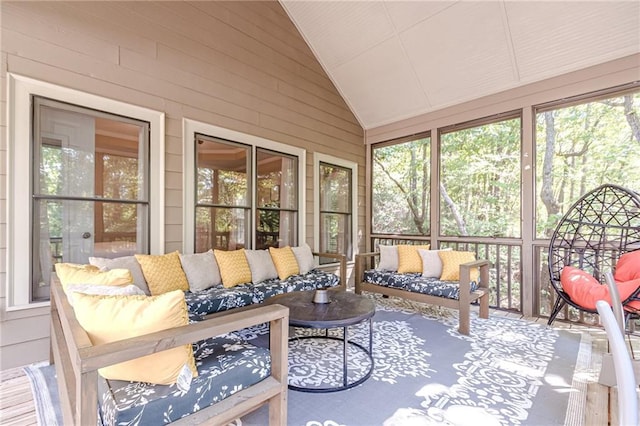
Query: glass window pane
(480, 180)
(222, 177)
(276, 228)
(277, 184)
(221, 228)
(581, 147)
(82, 156)
(335, 188)
(335, 234)
(400, 202)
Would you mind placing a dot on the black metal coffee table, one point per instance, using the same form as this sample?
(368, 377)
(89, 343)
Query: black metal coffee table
(343, 310)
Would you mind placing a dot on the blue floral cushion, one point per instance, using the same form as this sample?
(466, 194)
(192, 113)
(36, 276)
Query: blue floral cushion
(310, 281)
(416, 283)
(225, 366)
(219, 298)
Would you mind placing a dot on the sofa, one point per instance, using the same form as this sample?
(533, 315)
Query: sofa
(183, 308)
(233, 379)
(466, 280)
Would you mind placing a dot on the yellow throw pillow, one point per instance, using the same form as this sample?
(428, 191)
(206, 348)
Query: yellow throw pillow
(409, 259)
(285, 261)
(451, 261)
(234, 268)
(71, 273)
(112, 318)
(163, 273)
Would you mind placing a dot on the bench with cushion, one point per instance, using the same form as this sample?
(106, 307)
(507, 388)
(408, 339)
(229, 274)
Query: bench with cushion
(233, 377)
(455, 284)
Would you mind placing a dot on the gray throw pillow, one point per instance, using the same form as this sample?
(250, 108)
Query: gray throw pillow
(388, 258)
(304, 256)
(261, 265)
(125, 262)
(201, 270)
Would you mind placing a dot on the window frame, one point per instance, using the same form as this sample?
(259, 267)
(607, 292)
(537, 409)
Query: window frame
(21, 90)
(192, 127)
(331, 160)
(470, 124)
(568, 102)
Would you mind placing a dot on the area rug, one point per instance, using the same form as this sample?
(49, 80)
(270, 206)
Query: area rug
(507, 372)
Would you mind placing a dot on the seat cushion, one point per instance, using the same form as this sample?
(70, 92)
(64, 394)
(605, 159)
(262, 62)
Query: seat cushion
(225, 365)
(416, 283)
(585, 290)
(310, 281)
(218, 298)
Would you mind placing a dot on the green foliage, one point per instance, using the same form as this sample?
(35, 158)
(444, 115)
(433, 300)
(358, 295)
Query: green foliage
(480, 173)
(401, 185)
(591, 144)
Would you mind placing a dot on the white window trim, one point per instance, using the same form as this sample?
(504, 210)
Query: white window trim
(324, 158)
(190, 128)
(20, 91)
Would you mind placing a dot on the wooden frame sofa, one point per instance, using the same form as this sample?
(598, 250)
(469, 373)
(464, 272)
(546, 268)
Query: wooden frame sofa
(463, 288)
(77, 362)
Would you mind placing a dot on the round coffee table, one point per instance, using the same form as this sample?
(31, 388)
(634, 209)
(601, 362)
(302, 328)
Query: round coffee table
(343, 310)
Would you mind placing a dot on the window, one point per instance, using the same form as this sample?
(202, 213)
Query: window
(245, 191)
(400, 199)
(335, 205)
(480, 181)
(80, 183)
(580, 145)
(223, 205)
(277, 199)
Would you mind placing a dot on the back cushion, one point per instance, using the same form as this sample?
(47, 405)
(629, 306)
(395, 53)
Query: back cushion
(285, 262)
(163, 272)
(409, 261)
(585, 290)
(261, 265)
(71, 273)
(628, 266)
(124, 262)
(234, 268)
(388, 258)
(111, 318)
(201, 270)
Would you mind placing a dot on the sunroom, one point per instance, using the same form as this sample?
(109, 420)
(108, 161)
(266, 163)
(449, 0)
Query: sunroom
(153, 127)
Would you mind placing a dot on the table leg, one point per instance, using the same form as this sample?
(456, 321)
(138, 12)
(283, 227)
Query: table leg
(344, 367)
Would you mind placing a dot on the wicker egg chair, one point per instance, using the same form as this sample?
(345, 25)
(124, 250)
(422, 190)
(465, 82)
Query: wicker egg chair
(592, 235)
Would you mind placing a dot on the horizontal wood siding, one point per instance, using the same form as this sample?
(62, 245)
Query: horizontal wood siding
(238, 65)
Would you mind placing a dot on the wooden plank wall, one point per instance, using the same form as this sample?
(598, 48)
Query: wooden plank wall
(238, 65)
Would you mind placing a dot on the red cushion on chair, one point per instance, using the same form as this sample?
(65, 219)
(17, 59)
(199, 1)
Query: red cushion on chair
(628, 267)
(585, 290)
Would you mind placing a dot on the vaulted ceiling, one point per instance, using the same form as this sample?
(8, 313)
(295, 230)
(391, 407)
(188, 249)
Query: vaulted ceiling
(393, 60)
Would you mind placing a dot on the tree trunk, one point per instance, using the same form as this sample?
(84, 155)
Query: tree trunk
(546, 192)
(462, 227)
(632, 117)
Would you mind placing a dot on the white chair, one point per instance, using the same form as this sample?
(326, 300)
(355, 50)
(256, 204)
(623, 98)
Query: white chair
(625, 377)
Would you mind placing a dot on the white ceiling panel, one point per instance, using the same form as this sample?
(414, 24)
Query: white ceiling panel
(394, 59)
(381, 75)
(405, 14)
(463, 50)
(565, 36)
(339, 30)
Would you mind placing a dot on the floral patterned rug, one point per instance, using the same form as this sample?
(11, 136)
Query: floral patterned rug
(507, 372)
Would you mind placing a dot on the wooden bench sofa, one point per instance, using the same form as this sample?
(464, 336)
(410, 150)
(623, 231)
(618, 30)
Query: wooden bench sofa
(455, 295)
(77, 362)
